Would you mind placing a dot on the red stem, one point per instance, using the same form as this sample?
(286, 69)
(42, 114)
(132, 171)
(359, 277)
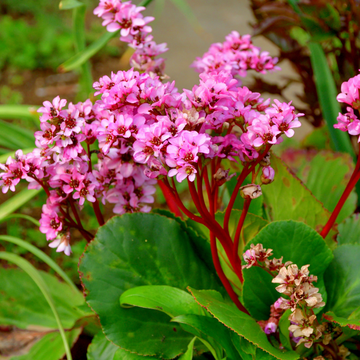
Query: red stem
(223, 278)
(97, 211)
(182, 207)
(170, 199)
(354, 179)
(215, 227)
(245, 172)
(240, 180)
(240, 225)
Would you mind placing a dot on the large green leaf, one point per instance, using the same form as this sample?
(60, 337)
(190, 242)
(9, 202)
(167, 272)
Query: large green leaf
(23, 305)
(349, 231)
(342, 280)
(292, 240)
(328, 185)
(351, 323)
(101, 348)
(288, 199)
(212, 328)
(241, 323)
(50, 347)
(135, 250)
(170, 300)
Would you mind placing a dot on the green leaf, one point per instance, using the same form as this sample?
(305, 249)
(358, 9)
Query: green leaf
(101, 348)
(190, 350)
(353, 324)
(16, 137)
(50, 347)
(42, 256)
(170, 300)
(349, 231)
(342, 280)
(124, 255)
(328, 185)
(319, 139)
(70, 4)
(241, 323)
(80, 58)
(40, 285)
(290, 239)
(327, 92)
(247, 350)
(211, 328)
(284, 324)
(200, 242)
(15, 202)
(122, 354)
(288, 199)
(22, 304)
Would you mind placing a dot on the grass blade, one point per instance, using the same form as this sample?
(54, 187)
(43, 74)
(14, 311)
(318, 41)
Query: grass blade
(21, 216)
(16, 135)
(18, 200)
(79, 36)
(83, 56)
(327, 93)
(42, 256)
(19, 111)
(36, 277)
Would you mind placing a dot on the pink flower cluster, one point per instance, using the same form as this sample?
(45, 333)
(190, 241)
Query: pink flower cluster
(237, 54)
(350, 95)
(142, 130)
(135, 31)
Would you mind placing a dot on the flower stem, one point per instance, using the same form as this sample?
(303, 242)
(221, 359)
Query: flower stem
(354, 179)
(223, 278)
(97, 211)
(240, 224)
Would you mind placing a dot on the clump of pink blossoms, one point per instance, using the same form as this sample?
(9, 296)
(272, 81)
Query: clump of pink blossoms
(143, 130)
(350, 95)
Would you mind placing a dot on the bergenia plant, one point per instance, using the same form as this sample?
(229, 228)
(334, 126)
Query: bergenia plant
(241, 206)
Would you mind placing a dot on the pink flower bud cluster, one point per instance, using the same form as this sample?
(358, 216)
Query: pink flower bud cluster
(237, 55)
(350, 95)
(135, 31)
(295, 283)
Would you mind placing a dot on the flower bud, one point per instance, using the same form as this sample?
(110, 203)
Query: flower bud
(267, 175)
(251, 191)
(265, 160)
(221, 176)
